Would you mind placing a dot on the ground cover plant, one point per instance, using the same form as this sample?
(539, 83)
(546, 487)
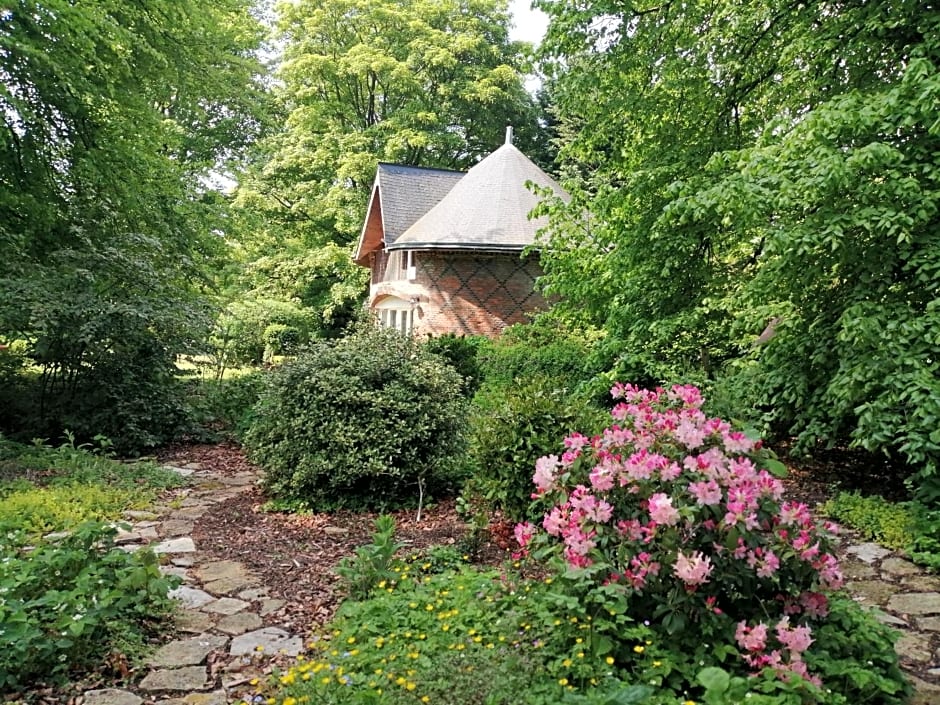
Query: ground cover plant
(73, 603)
(71, 600)
(667, 568)
(44, 489)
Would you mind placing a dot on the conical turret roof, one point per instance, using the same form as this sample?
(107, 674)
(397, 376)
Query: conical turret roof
(486, 210)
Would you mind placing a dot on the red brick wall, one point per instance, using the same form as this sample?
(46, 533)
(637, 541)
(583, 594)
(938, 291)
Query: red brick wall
(474, 294)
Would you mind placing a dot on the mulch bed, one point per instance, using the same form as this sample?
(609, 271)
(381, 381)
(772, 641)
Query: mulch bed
(295, 555)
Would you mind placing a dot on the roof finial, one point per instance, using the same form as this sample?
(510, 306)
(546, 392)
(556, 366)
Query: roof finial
(508, 134)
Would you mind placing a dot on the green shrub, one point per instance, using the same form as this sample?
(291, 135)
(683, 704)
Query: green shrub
(547, 348)
(372, 563)
(674, 520)
(67, 605)
(875, 518)
(239, 335)
(130, 391)
(510, 430)
(39, 510)
(281, 339)
(368, 420)
(227, 404)
(461, 352)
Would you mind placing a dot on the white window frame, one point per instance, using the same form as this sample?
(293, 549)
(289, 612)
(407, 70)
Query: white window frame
(396, 313)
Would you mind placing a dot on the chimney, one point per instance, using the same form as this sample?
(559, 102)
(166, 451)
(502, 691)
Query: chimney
(508, 134)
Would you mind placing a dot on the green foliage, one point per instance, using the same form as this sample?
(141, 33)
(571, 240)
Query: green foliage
(106, 224)
(512, 427)
(46, 489)
(434, 637)
(462, 353)
(240, 333)
(548, 348)
(367, 420)
(66, 605)
(423, 82)
(372, 563)
(227, 404)
(874, 518)
(925, 548)
(487, 638)
(41, 510)
(745, 183)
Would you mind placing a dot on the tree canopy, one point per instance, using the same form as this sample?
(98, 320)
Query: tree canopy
(421, 82)
(113, 115)
(760, 163)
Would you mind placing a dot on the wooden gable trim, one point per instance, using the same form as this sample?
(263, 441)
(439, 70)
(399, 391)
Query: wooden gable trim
(373, 231)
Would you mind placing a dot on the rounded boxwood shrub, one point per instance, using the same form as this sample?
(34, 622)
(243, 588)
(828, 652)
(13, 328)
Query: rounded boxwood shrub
(510, 429)
(362, 421)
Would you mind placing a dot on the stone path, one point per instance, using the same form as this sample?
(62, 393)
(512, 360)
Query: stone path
(225, 609)
(907, 598)
(228, 613)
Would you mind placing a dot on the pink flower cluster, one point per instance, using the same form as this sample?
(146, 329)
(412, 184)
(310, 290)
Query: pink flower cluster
(667, 496)
(785, 660)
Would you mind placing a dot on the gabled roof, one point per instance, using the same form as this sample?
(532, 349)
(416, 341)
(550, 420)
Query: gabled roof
(486, 210)
(400, 196)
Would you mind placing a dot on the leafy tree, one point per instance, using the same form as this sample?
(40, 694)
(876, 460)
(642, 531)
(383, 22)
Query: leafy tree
(424, 82)
(748, 163)
(112, 114)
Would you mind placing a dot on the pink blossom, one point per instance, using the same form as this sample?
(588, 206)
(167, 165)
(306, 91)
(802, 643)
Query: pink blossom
(687, 394)
(576, 441)
(630, 529)
(796, 639)
(765, 562)
(602, 477)
(830, 575)
(524, 533)
(815, 604)
(689, 434)
(705, 493)
(737, 442)
(670, 472)
(795, 514)
(751, 638)
(661, 510)
(693, 570)
(555, 521)
(544, 477)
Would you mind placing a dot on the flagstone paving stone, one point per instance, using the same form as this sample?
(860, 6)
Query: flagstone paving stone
(226, 605)
(868, 552)
(182, 544)
(176, 527)
(188, 678)
(240, 623)
(192, 598)
(111, 696)
(194, 621)
(187, 652)
(915, 603)
(269, 640)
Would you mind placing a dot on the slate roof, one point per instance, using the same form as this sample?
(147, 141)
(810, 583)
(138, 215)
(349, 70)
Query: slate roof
(485, 210)
(408, 192)
(400, 195)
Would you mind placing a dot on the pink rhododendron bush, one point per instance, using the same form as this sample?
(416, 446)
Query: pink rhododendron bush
(679, 522)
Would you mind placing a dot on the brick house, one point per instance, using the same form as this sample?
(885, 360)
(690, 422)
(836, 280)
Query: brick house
(445, 247)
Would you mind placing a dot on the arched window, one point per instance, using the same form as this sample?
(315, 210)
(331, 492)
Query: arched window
(396, 313)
